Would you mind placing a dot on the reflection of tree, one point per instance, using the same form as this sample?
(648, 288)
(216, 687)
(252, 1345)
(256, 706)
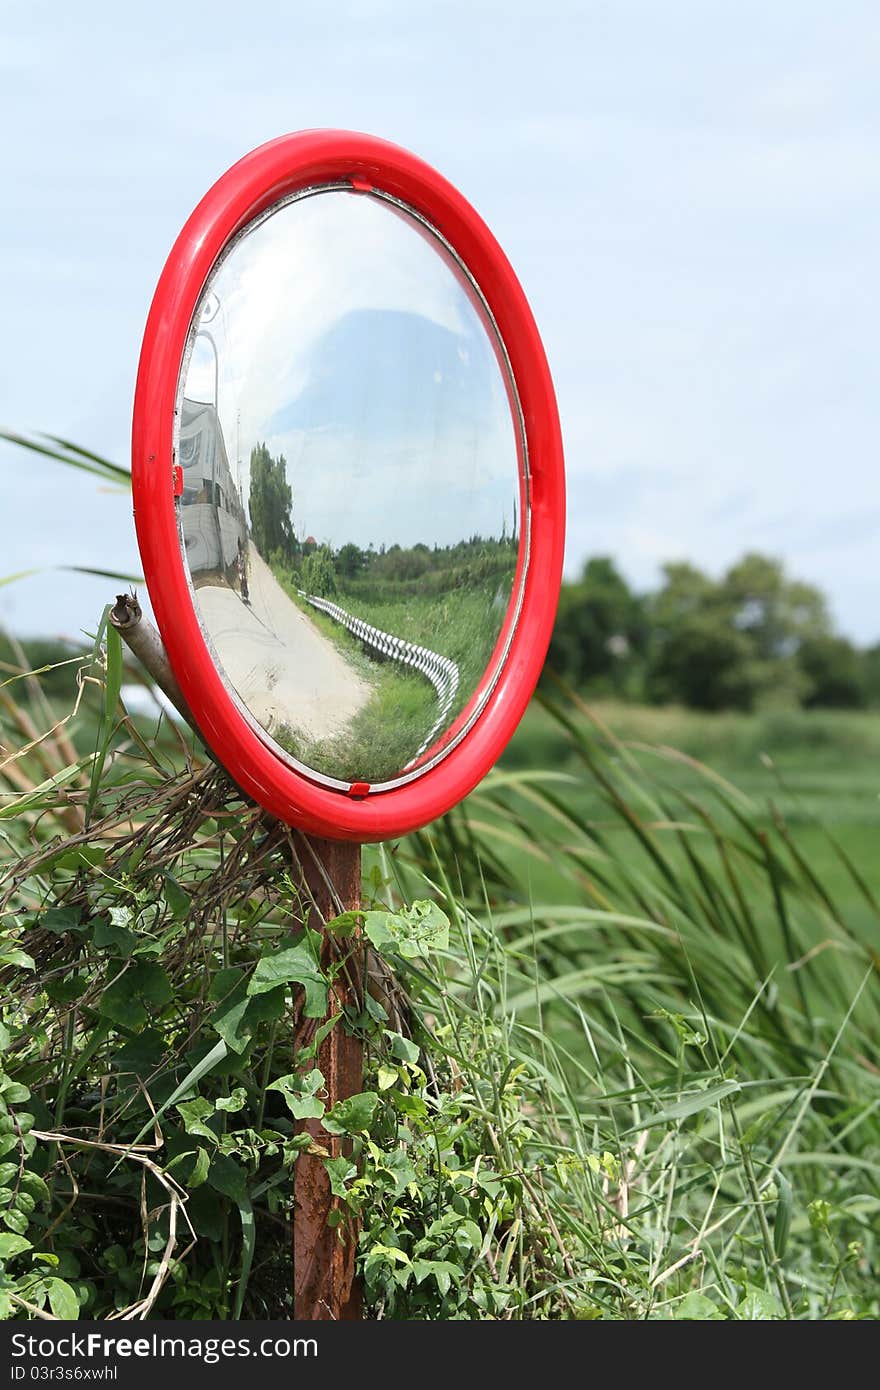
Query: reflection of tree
(350, 560)
(481, 564)
(318, 573)
(484, 563)
(270, 502)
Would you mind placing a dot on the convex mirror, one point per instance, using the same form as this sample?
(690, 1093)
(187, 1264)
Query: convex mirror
(350, 510)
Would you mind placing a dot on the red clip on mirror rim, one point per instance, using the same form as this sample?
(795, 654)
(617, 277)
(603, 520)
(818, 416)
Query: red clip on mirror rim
(261, 178)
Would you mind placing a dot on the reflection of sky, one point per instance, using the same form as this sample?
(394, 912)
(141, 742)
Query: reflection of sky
(347, 343)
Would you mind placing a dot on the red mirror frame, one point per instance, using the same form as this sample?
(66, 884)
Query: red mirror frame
(261, 178)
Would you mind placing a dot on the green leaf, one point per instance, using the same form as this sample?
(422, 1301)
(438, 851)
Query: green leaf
(414, 931)
(199, 1172)
(178, 900)
(299, 1094)
(114, 935)
(399, 1168)
(60, 919)
(207, 1063)
(233, 1103)
(135, 995)
(67, 989)
(340, 1171)
(445, 1273)
(114, 670)
(14, 1093)
(411, 1106)
(238, 1016)
(782, 1220)
(375, 1010)
(297, 961)
(195, 1115)
(688, 1105)
(80, 857)
(12, 1245)
(5, 1037)
(248, 1245)
(346, 924)
(14, 956)
(387, 1077)
(142, 1054)
(33, 1184)
(16, 1221)
(468, 1236)
(758, 1306)
(37, 796)
(70, 454)
(228, 1177)
(353, 1115)
(307, 1054)
(696, 1307)
(404, 1049)
(62, 1300)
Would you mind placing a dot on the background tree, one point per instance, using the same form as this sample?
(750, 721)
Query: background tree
(753, 638)
(600, 628)
(870, 663)
(733, 642)
(775, 612)
(836, 672)
(702, 663)
(270, 502)
(350, 560)
(317, 573)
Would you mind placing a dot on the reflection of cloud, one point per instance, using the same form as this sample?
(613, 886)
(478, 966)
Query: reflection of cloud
(407, 491)
(347, 343)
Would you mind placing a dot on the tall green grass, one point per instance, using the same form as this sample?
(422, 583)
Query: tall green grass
(640, 1079)
(657, 1098)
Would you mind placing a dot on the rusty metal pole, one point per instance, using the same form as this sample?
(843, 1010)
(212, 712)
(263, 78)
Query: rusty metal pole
(324, 1285)
(323, 1256)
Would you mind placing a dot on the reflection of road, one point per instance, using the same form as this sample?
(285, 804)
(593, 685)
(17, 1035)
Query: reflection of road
(439, 670)
(284, 670)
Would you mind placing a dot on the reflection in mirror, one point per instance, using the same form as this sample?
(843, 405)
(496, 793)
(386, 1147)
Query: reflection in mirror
(352, 511)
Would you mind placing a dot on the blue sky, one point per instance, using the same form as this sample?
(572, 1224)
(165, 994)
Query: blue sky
(689, 191)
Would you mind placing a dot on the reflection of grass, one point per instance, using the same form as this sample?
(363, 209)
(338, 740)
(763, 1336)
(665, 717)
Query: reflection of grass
(382, 737)
(387, 733)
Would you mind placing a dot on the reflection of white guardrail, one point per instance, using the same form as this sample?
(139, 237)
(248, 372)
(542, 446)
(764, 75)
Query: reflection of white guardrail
(439, 670)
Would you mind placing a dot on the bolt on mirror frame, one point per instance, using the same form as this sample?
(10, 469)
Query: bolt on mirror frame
(261, 179)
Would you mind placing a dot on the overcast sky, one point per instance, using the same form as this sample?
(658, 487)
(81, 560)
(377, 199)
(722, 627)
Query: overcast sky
(689, 191)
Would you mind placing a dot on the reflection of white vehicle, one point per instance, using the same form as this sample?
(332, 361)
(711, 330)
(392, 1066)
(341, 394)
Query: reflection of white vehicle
(212, 516)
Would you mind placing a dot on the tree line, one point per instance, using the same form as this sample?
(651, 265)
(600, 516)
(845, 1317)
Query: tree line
(415, 570)
(756, 636)
(753, 637)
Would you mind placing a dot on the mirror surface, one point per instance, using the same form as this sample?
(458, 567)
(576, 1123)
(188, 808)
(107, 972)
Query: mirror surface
(353, 509)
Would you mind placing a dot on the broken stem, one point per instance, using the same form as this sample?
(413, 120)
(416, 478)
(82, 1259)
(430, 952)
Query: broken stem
(145, 643)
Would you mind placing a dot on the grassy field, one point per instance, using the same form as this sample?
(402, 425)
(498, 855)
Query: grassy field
(820, 770)
(622, 1052)
(388, 732)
